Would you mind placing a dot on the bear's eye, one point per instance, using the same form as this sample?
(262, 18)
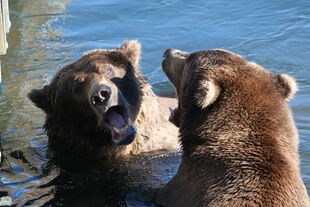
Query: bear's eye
(109, 71)
(106, 70)
(78, 90)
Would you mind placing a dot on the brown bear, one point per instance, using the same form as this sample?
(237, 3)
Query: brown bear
(239, 141)
(101, 106)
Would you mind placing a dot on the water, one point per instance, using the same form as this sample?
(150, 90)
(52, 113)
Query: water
(46, 35)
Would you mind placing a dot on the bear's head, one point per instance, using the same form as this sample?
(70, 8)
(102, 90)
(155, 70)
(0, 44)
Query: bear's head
(219, 77)
(95, 100)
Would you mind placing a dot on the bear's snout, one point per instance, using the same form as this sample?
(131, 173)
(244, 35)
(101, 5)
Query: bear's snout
(173, 65)
(171, 52)
(100, 95)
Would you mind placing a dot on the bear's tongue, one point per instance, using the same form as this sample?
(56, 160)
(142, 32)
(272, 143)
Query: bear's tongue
(121, 127)
(116, 120)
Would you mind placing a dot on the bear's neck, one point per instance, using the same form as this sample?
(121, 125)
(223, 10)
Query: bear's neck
(221, 153)
(223, 136)
(223, 125)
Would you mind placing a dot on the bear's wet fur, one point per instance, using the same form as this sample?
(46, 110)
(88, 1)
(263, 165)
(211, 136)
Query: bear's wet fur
(239, 140)
(78, 100)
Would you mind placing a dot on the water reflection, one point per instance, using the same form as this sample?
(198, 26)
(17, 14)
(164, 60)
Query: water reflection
(45, 35)
(35, 52)
(81, 185)
(133, 181)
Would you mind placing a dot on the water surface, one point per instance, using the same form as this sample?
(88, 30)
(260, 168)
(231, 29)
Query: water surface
(46, 35)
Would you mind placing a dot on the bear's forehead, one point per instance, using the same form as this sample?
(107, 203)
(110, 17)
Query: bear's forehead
(104, 60)
(221, 62)
(115, 57)
(98, 63)
(215, 57)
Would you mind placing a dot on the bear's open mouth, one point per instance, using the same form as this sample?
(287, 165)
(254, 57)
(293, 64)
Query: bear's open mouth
(119, 124)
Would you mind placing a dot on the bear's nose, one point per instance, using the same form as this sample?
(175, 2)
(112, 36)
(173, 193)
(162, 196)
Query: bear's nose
(172, 52)
(101, 95)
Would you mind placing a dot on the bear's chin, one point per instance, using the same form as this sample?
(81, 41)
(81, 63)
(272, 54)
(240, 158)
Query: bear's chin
(118, 123)
(126, 138)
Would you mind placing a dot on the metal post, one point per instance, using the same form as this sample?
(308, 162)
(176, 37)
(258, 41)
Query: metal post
(5, 25)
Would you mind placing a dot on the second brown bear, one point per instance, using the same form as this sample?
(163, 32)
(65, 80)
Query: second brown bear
(239, 140)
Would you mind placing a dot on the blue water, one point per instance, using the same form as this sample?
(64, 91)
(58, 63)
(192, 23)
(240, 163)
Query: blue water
(46, 35)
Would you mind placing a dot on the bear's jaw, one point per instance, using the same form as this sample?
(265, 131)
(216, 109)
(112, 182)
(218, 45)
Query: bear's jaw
(119, 124)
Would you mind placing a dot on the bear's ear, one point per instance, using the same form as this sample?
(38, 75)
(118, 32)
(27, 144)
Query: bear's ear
(207, 93)
(287, 85)
(40, 98)
(132, 49)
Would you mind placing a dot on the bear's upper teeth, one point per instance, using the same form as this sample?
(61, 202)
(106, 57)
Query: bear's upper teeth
(117, 130)
(122, 130)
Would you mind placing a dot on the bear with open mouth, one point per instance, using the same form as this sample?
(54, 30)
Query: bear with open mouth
(101, 106)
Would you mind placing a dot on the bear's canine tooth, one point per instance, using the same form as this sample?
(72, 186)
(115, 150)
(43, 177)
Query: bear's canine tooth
(122, 130)
(118, 131)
